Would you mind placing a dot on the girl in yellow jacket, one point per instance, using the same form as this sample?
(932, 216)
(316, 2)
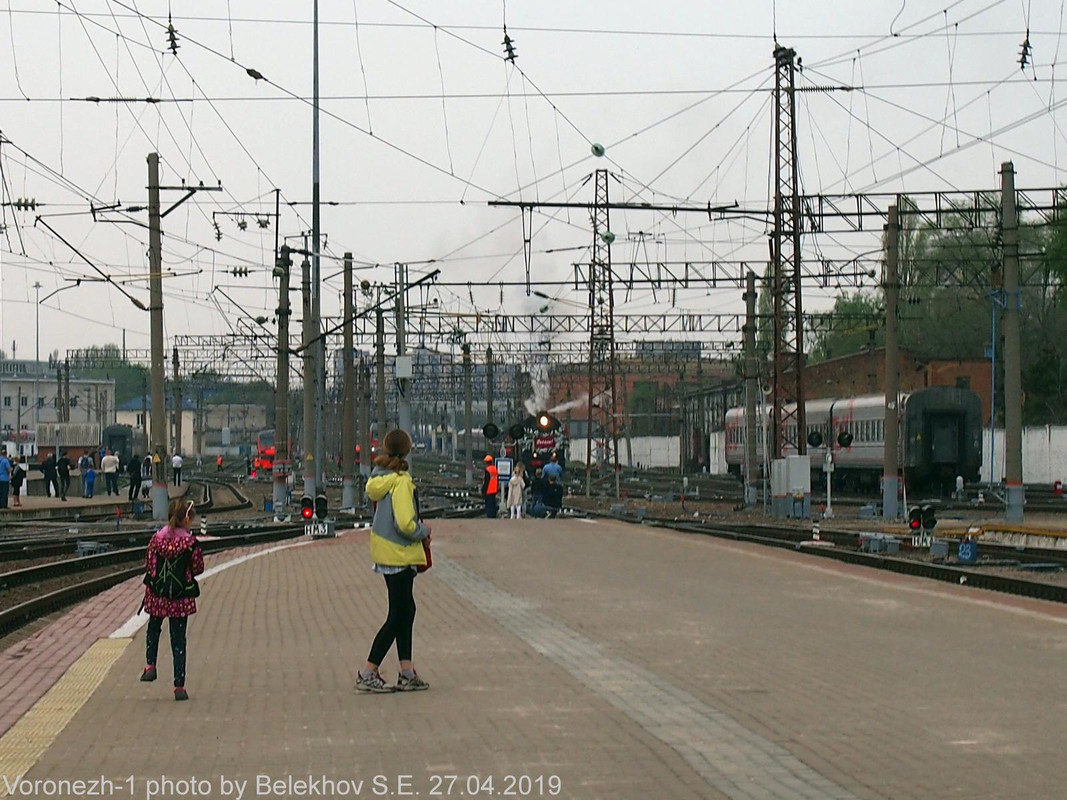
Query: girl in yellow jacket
(396, 548)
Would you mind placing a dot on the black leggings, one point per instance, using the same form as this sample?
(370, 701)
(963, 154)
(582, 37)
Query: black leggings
(400, 621)
(177, 644)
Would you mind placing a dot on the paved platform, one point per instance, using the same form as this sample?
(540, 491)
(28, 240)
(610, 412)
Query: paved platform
(622, 661)
(41, 507)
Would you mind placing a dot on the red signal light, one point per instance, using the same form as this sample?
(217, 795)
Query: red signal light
(306, 513)
(914, 524)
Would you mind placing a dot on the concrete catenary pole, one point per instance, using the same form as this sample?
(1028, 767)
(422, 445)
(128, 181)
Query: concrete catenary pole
(364, 428)
(751, 390)
(282, 466)
(403, 384)
(317, 382)
(379, 366)
(348, 416)
(467, 416)
(177, 399)
(489, 384)
(890, 481)
(155, 291)
(1013, 389)
(308, 333)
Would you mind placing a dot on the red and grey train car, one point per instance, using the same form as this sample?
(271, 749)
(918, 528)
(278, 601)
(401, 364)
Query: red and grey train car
(940, 437)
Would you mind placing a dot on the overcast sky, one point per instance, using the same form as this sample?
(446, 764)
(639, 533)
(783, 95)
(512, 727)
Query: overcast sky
(422, 125)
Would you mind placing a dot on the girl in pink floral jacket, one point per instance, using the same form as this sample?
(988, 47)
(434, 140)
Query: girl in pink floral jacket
(172, 545)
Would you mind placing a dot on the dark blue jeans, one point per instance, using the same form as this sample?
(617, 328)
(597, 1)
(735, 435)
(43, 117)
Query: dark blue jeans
(490, 506)
(4, 486)
(177, 644)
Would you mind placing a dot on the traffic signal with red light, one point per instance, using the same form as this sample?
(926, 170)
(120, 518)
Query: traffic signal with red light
(915, 519)
(307, 509)
(929, 517)
(320, 507)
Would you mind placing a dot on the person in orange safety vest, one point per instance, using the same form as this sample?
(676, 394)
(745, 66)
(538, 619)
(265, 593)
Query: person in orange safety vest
(490, 487)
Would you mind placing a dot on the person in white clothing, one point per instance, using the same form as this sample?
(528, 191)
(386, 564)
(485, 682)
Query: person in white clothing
(176, 468)
(517, 492)
(109, 465)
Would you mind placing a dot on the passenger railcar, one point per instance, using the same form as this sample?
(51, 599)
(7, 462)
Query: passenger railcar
(126, 441)
(940, 437)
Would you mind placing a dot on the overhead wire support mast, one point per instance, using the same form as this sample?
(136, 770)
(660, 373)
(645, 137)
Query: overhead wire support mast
(789, 427)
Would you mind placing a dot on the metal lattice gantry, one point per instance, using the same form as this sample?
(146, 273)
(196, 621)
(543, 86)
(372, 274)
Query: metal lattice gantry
(788, 424)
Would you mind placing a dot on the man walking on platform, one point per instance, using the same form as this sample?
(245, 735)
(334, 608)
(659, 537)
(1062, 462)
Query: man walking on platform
(490, 487)
(176, 468)
(109, 465)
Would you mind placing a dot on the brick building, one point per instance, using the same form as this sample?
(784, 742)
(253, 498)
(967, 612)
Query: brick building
(864, 373)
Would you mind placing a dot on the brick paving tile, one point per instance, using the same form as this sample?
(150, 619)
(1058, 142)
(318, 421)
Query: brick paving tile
(767, 669)
(31, 666)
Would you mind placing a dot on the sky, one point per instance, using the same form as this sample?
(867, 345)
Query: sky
(424, 122)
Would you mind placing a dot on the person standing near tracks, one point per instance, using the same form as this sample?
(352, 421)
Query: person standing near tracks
(176, 468)
(490, 487)
(63, 466)
(133, 472)
(172, 562)
(18, 475)
(109, 465)
(50, 480)
(398, 551)
(5, 477)
(553, 468)
(517, 491)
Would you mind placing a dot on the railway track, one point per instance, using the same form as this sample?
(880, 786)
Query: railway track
(844, 546)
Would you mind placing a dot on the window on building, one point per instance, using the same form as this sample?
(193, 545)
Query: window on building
(25, 401)
(7, 401)
(40, 402)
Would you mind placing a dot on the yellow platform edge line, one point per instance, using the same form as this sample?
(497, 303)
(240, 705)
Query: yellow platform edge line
(26, 741)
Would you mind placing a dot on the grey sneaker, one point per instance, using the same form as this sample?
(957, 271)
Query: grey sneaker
(372, 683)
(412, 684)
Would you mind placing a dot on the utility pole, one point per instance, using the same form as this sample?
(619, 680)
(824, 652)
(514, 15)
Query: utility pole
(403, 362)
(308, 330)
(890, 482)
(348, 421)
(379, 355)
(155, 279)
(751, 388)
(467, 399)
(282, 466)
(177, 407)
(1013, 390)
